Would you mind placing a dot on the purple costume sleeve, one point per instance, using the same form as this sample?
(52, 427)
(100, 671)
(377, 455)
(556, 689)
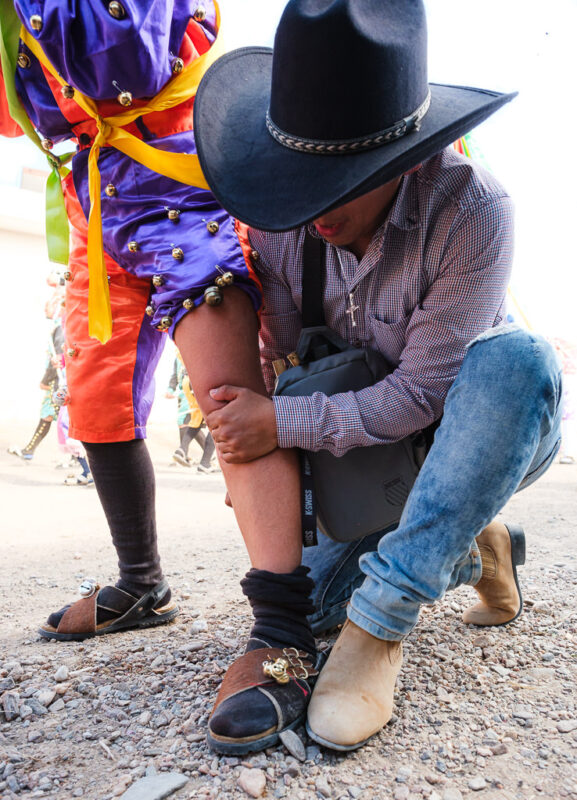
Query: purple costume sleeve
(93, 50)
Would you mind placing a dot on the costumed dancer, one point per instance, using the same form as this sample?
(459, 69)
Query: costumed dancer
(73, 449)
(189, 420)
(50, 380)
(118, 79)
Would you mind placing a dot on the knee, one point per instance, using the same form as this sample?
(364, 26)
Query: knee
(524, 360)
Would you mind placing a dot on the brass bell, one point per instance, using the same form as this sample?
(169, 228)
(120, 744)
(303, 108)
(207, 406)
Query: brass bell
(177, 66)
(188, 303)
(67, 275)
(134, 247)
(177, 253)
(212, 226)
(225, 279)
(277, 670)
(72, 352)
(47, 144)
(110, 190)
(36, 22)
(125, 99)
(255, 255)
(157, 280)
(24, 61)
(116, 10)
(67, 92)
(150, 310)
(173, 214)
(200, 14)
(165, 323)
(213, 296)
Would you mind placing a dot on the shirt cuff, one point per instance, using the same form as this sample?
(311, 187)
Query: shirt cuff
(295, 422)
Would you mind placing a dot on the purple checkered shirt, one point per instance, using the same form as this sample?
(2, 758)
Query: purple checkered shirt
(433, 277)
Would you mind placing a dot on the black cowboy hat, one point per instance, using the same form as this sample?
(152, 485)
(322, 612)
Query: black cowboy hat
(341, 106)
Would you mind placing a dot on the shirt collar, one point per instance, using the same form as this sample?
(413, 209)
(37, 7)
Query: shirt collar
(405, 211)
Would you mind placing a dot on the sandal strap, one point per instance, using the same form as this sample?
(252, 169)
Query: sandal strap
(81, 616)
(144, 604)
(248, 671)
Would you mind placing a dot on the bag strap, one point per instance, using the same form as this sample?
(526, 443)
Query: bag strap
(312, 315)
(312, 281)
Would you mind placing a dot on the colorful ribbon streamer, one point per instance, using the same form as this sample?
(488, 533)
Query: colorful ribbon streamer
(57, 230)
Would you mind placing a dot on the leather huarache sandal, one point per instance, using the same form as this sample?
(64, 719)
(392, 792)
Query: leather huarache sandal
(264, 692)
(106, 610)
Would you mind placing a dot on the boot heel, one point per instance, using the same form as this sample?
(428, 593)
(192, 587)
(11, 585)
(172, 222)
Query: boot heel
(518, 546)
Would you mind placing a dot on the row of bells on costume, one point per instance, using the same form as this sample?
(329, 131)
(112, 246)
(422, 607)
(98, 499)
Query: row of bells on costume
(24, 62)
(173, 214)
(212, 297)
(116, 10)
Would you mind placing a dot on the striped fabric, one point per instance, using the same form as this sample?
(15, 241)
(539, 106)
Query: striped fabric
(434, 276)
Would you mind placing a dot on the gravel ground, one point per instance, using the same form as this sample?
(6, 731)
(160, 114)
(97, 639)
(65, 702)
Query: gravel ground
(489, 713)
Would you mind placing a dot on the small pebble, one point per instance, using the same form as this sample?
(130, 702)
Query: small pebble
(155, 787)
(567, 725)
(451, 793)
(293, 744)
(322, 787)
(46, 696)
(10, 702)
(252, 781)
(61, 674)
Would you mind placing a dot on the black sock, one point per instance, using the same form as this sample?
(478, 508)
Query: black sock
(281, 604)
(124, 479)
(187, 435)
(208, 451)
(41, 430)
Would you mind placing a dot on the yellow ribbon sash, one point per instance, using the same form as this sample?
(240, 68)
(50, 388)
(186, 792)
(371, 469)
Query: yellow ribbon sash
(182, 167)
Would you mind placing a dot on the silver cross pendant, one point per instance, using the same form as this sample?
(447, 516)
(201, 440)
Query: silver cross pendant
(352, 308)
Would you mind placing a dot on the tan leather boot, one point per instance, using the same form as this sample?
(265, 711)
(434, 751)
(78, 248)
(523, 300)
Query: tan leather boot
(353, 696)
(502, 549)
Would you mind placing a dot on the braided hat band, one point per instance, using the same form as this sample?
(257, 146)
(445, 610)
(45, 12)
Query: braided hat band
(344, 146)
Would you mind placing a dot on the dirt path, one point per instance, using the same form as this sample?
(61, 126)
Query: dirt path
(488, 713)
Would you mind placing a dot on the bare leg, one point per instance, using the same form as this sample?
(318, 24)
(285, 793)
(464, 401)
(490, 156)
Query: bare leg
(219, 345)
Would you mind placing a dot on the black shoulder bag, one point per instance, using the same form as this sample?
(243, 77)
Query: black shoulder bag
(365, 490)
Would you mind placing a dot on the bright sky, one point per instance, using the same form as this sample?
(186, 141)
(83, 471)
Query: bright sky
(523, 45)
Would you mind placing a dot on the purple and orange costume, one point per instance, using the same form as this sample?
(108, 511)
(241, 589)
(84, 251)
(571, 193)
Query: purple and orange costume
(165, 242)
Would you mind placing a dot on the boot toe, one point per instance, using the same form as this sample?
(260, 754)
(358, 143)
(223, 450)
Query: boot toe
(243, 718)
(334, 723)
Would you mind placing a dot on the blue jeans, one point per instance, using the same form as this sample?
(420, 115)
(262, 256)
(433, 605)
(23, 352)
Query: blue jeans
(500, 431)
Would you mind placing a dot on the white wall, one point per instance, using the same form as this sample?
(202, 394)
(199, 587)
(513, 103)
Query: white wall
(24, 268)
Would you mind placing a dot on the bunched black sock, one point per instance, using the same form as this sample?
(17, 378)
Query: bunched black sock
(281, 603)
